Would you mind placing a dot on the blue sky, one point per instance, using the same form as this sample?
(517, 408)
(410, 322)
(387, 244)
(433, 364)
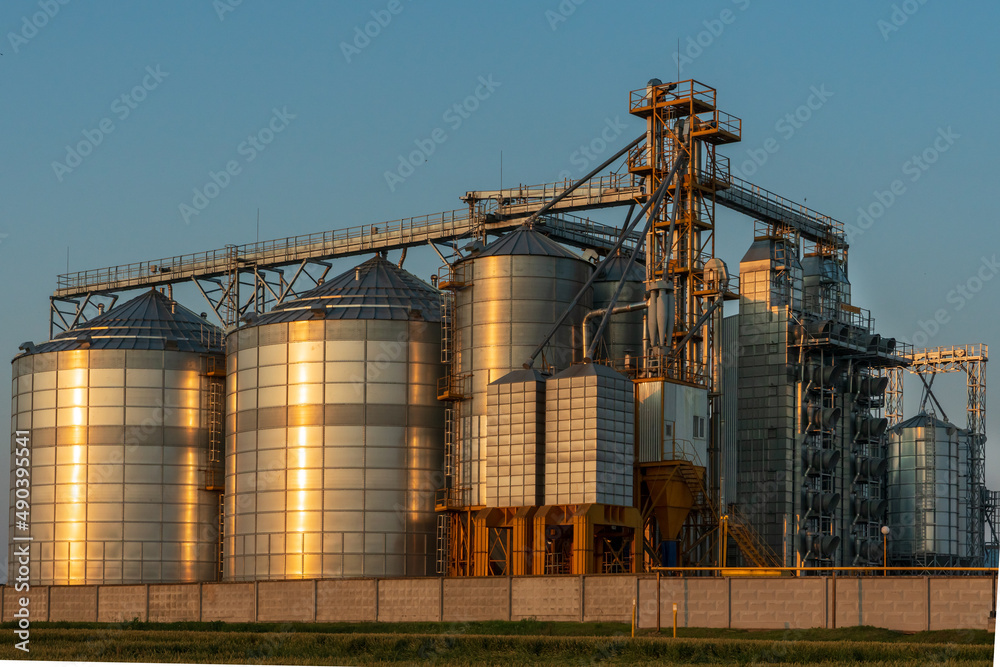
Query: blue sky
(886, 81)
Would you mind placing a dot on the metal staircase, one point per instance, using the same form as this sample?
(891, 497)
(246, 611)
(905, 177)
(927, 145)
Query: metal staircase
(750, 544)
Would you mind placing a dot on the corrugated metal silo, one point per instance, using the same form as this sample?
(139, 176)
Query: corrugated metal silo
(123, 413)
(927, 492)
(334, 433)
(515, 290)
(623, 336)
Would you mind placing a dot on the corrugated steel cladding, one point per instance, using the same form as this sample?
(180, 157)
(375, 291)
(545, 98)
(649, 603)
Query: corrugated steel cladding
(928, 491)
(515, 290)
(334, 432)
(770, 474)
(515, 440)
(730, 425)
(767, 481)
(119, 441)
(589, 421)
(623, 335)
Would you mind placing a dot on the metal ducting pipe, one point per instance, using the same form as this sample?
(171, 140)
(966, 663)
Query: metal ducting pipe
(873, 342)
(820, 460)
(818, 502)
(869, 467)
(870, 427)
(873, 386)
(820, 329)
(870, 550)
(888, 345)
(833, 373)
(818, 546)
(820, 418)
(870, 509)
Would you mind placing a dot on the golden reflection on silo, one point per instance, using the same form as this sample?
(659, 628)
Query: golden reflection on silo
(98, 462)
(300, 477)
(338, 516)
(189, 514)
(78, 397)
(78, 416)
(191, 380)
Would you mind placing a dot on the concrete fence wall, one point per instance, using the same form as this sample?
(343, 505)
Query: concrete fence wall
(897, 603)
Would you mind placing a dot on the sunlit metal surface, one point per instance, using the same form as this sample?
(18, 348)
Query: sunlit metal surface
(515, 291)
(335, 436)
(623, 337)
(117, 411)
(928, 477)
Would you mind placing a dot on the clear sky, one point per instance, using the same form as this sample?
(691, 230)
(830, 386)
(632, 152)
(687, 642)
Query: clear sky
(116, 112)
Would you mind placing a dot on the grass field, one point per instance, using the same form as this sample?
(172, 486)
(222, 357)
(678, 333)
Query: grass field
(491, 643)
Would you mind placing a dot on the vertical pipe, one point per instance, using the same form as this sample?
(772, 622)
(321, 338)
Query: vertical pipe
(633, 617)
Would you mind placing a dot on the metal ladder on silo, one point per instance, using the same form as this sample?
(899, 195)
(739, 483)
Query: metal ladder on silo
(216, 407)
(449, 444)
(443, 540)
(447, 310)
(222, 534)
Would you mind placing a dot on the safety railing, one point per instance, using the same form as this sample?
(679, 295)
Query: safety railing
(877, 570)
(718, 121)
(288, 249)
(681, 91)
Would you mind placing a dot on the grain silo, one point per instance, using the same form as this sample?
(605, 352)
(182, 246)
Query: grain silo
(622, 339)
(334, 435)
(928, 491)
(124, 413)
(508, 297)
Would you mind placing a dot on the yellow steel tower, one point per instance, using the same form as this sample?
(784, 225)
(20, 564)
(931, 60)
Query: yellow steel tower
(685, 287)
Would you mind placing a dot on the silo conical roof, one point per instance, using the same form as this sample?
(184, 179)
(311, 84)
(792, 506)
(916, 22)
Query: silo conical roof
(615, 267)
(526, 241)
(150, 321)
(922, 420)
(374, 290)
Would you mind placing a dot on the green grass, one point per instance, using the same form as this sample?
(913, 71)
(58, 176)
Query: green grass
(490, 643)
